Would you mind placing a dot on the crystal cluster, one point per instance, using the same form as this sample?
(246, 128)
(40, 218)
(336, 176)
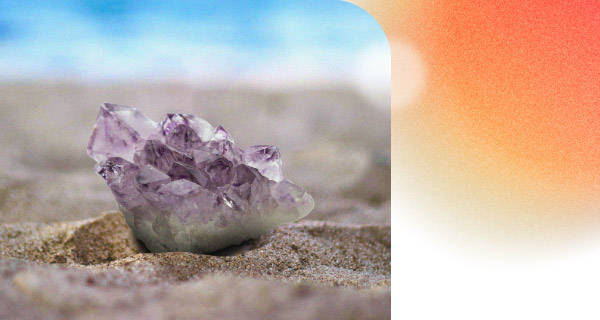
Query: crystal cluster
(184, 185)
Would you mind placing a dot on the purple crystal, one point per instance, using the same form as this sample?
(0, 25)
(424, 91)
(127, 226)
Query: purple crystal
(184, 185)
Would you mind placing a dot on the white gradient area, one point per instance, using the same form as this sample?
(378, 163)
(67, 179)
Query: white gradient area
(373, 74)
(435, 277)
(409, 74)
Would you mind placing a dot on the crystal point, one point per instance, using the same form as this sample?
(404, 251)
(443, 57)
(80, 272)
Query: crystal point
(183, 185)
(266, 159)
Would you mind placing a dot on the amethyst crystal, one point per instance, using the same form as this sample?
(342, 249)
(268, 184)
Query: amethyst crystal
(185, 186)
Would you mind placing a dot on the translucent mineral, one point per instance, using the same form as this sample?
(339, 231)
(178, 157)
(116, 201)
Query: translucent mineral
(184, 185)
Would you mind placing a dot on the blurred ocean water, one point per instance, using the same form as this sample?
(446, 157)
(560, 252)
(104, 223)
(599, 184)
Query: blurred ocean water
(264, 43)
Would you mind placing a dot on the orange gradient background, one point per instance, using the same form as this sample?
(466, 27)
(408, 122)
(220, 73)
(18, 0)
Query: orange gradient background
(500, 132)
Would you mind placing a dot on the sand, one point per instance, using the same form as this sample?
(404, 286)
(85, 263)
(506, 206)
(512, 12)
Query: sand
(66, 253)
(99, 269)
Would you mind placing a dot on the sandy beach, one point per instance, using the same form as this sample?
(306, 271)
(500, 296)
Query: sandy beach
(67, 252)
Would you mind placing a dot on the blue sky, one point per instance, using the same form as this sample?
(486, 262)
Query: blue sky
(245, 41)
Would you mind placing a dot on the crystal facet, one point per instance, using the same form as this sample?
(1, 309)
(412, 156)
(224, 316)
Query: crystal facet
(184, 185)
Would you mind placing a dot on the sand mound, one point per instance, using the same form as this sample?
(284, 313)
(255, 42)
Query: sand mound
(316, 251)
(90, 241)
